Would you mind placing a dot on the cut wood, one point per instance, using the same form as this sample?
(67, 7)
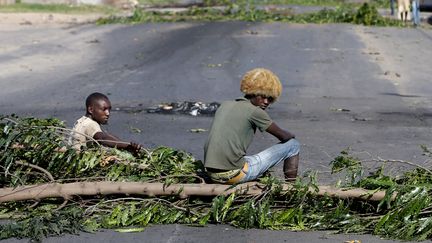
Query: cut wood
(68, 190)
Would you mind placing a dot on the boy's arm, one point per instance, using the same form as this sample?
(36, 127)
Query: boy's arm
(114, 142)
(279, 133)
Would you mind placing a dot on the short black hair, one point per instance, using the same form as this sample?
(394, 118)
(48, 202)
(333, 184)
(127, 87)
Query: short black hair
(92, 98)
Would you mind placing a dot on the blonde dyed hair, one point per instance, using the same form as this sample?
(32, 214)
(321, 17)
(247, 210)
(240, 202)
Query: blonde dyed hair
(261, 81)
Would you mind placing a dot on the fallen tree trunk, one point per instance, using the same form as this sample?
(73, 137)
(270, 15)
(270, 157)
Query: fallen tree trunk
(68, 190)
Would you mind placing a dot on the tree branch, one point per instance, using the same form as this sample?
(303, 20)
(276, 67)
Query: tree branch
(36, 167)
(67, 190)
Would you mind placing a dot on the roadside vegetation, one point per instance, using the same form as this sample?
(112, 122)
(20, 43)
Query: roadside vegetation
(242, 10)
(35, 154)
(380, 3)
(335, 11)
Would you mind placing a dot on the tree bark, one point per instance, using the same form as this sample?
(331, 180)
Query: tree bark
(68, 190)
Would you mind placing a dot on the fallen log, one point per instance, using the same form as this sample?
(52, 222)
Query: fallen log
(68, 190)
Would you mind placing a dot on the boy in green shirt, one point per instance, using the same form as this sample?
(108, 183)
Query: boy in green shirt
(234, 126)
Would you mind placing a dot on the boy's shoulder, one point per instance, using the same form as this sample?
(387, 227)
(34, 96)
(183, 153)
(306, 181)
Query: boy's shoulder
(85, 121)
(240, 105)
(238, 101)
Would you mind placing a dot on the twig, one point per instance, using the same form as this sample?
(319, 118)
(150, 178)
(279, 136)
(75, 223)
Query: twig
(93, 208)
(133, 164)
(327, 154)
(113, 141)
(82, 179)
(62, 205)
(261, 197)
(36, 167)
(59, 130)
(425, 212)
(175, 206)
(113, 200)
(34, 204)
(9, 120)
(398, 161)
(372, 217)
(6, 174)
(169, 176)
(71, 132)
(115, 159)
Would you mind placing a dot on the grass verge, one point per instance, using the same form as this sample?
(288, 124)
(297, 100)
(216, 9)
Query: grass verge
(56, 8)
(380, 3)
(366, 14)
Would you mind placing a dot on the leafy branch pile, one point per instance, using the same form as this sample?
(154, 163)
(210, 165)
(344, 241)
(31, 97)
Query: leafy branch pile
(44, 143)
(243, 10)
(35, 151)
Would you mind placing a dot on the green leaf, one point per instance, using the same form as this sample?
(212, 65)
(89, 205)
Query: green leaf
(130, 230)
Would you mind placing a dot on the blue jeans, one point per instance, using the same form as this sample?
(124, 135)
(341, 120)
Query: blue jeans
(392, 7)
(261, 162)
(416, 11)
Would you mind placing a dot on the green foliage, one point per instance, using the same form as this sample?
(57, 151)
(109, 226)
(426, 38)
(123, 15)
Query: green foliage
(377, 180)
(38, 142)
(382, 3)
(44, 222)
(368, 15)
(301, 2)
(244, 10)
(407, 215)
(350, 165)
(404, 213)
(405, 220)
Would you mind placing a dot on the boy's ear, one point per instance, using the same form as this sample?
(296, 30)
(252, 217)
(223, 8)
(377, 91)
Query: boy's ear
(90, 110)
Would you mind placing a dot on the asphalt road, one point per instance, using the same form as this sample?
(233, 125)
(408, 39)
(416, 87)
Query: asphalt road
(345, 86)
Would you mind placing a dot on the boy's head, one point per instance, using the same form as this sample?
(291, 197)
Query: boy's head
(261, 82)
(98, 107)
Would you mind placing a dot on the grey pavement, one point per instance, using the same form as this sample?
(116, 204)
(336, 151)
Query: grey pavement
(344, 86)
(212, 234)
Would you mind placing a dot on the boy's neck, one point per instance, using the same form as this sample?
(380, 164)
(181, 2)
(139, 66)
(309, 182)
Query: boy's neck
(90, 116)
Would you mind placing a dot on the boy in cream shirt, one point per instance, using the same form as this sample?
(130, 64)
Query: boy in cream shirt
(87, 129)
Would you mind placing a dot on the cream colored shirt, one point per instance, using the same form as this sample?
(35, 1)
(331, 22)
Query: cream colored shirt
(84, 129)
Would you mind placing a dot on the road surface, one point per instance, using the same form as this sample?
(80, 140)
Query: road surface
(345, 86)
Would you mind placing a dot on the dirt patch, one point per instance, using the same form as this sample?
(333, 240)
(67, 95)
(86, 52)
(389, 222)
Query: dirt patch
(47, 18)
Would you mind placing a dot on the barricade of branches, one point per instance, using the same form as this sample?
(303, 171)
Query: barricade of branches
(36, 153)
(39, 150)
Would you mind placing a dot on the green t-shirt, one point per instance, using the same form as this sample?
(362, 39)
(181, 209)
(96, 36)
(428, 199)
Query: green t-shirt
(231, 133)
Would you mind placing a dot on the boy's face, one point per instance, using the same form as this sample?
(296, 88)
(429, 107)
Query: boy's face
(100, 111)
(261, 101)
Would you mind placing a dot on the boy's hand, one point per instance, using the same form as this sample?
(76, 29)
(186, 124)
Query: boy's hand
(134, 148)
